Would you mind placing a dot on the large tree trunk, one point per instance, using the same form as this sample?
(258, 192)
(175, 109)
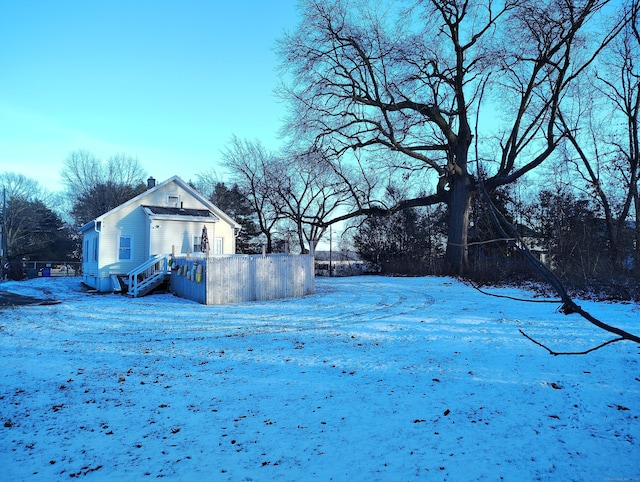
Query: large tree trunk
(636, 257)
(303, 249)
(459, 199)
(269, 247)
(458, 223)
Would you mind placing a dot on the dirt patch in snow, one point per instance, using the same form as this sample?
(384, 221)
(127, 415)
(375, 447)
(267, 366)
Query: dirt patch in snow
(13, 299)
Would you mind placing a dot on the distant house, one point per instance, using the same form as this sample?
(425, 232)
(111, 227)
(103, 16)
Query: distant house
(131, 244)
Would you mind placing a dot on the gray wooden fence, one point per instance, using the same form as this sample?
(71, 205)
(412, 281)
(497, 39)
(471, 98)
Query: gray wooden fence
(230, 279)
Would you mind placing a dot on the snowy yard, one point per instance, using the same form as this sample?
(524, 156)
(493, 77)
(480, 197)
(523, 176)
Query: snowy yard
(368, 379)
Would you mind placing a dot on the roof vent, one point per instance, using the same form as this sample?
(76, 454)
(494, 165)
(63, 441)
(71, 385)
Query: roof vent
(151, 183)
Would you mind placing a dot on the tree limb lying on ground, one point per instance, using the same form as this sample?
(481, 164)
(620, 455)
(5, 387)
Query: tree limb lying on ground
(556, 353)
(509, 232)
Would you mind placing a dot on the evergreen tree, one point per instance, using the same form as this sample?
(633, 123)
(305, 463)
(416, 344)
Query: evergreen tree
(401, 243)
(575, 237)
(235, 204)
(34, 231)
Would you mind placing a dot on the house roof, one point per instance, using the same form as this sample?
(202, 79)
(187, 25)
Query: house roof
(180, 212)
(213, 209)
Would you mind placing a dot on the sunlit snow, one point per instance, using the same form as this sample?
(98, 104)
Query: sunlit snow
(370, 378)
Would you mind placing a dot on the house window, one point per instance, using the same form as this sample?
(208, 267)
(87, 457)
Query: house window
(173, 200)
(218, 245)
(125, 248)
(85, 252)
(197, 244)
(95, 249)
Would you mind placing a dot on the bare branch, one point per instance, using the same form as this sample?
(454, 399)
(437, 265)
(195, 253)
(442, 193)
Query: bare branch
(585, 352)
(568, 305)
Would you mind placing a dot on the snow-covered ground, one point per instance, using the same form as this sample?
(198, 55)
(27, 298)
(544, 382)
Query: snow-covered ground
(368, 379)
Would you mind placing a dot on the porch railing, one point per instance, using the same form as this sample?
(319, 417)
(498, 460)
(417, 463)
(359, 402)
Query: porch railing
(148, 275)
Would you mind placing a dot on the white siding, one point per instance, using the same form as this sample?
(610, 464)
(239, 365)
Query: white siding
(177, 236)
(129, 221)
(160, 197)
(89, 261)
(150, 236)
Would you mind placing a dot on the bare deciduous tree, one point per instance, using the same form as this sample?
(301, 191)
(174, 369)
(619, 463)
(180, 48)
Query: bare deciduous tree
(95, 187)
(250, 163)
(293, 193)
(375, 78)
(83, 171)
(306, 191)
(16, 185)
(606, 147)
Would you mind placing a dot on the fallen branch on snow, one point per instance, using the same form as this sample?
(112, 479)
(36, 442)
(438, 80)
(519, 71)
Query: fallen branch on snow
(568, 305)
(556, 353)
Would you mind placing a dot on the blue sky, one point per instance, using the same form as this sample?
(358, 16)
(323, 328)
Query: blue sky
(166, 81)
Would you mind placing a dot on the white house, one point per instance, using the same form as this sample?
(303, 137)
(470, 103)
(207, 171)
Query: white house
(135, 239)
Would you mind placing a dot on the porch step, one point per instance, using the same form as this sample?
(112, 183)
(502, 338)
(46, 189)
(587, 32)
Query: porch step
(149, 284)
(147, 277)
